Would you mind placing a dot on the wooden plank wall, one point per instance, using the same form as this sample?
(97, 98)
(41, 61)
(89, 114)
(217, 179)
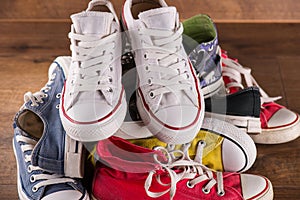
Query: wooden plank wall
(228, 11)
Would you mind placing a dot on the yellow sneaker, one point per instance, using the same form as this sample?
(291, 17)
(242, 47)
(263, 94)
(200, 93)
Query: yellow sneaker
(222, 146)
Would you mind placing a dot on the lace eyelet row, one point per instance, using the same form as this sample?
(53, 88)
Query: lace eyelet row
(204, 190)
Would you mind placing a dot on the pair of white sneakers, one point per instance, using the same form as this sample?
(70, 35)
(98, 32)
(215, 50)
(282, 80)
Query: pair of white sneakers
(169, 100)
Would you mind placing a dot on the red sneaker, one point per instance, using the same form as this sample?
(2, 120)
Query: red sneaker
(128, 171)
(278, 123)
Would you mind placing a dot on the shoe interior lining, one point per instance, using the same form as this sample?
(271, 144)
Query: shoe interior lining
(31, 124)
(139, 7)
(100, 8)
(197, 30)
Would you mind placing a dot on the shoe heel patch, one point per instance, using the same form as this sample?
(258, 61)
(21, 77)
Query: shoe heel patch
(74, 164)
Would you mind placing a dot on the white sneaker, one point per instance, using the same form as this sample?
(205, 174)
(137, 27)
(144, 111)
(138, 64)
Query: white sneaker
(169, 99)
(93, 99)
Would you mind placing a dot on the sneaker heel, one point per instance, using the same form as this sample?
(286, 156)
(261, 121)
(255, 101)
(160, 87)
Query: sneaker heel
(74, 164)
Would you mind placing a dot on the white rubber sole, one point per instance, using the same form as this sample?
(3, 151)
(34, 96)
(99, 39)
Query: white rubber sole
(212, 89)
(74, 158)
(239, 138)
(97, 131)
(251, 125)
(261, 136)
(21, 194)
(279, 135)
(165, 134)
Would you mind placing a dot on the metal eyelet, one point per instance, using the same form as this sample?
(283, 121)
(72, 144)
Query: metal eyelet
(205, 191)
(110, 79)
(34, 189)
(112, 56)
(189, 185)
(32, 179)
(29, 169)
(109, 90)
(145, 56)
(111, 68)
(222, 193)
(45, 95)
(57, 106)
(202, 142)
(150, 81)
(187, 76)
(58, 95)
(151, 94)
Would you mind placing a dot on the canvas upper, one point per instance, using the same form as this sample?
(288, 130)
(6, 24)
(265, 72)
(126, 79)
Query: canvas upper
(39, 144)
(166, 81)
(39, 117)
(93, 99)
(127, 170)
(202, 46)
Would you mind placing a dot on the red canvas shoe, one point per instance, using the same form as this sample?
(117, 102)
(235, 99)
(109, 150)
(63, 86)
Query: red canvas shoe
(127, 171)
(278, 123)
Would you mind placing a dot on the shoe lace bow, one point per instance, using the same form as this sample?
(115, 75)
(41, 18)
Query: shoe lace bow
(180, 166)
(234, 71)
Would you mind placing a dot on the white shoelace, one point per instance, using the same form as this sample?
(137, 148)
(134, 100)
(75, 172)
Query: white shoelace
(94, 55)
(38, 97)
(235, 71)
(194, 170)
(165, 47)
(48, 178)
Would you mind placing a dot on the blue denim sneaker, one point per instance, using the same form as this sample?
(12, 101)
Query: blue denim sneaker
(201, 44)
(41, 146)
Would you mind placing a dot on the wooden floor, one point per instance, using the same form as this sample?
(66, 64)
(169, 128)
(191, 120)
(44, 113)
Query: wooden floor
(271, 50)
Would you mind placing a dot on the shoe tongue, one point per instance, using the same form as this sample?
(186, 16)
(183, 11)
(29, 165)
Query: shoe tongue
(94, 23)
(163, 18)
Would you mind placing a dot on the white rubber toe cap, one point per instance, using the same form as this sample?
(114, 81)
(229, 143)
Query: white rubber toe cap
(177, 116)
(237, 160)
(89, 112)
(282, 117)
(63, 195)
(256, 187)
